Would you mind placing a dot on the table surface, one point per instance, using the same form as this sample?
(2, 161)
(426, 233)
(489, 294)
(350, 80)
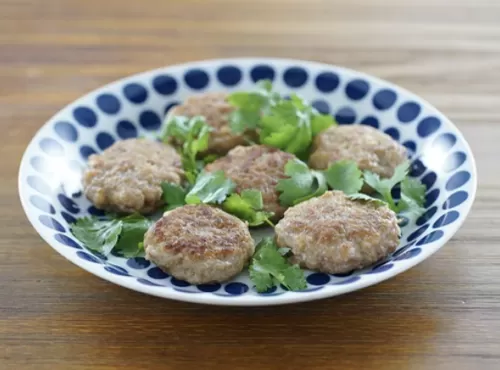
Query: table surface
(442, 314)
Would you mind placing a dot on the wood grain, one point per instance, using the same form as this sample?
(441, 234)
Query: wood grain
(443, 314)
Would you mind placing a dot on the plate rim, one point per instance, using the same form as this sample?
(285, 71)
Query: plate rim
(248, 300)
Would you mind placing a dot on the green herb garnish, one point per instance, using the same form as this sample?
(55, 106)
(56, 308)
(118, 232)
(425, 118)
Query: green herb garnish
(248, 206)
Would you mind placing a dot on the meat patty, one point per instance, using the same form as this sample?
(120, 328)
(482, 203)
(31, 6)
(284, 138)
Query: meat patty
(334, 234)
(214, 107)
(371, 149)
(126, 177)
(199, 244)
(256, 167)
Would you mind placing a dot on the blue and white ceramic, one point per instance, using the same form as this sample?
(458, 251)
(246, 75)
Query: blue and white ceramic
(50, 173)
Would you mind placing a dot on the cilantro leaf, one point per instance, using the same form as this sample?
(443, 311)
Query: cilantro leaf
(210, 187)
(173, 195)
(302, 183)
(384, 186)
(133, 229)
(369, 198)
(269, 268)
(412, 196)
(247, 206)
(345, 176)
(193, 133)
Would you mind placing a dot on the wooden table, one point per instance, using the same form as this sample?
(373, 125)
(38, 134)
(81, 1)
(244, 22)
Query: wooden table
(443, 314)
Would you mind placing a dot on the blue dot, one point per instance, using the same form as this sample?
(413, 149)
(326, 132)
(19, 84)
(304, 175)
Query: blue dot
(236, 288)
(138, 263)
(126, 130)
(196, 79)
(295, 76)
(170, 106)
(444, 142)
(66, 131)
(95, 211)
(40, 165)
(429, 180)
(350, 280)
(271, 290)
(51, 223)
(455, 200)
(417, 168)
(104, 140)
(135, 93)
(381, 268)
(321, 106)
(68, 203)
(85, 116)
(209, 287)
(426, 216)
(165, 84)
(229, 75)
(86, 151)
(403, 249)
(67, 241)
(411, 146)
(384, 99)
(52, 147)
(157, 273)
(147, 282)
(150, 120)
(431, 237)
(117, 270)
(87, 257)
(457, 180)
(344, 274)
(403, 221)
(414, 235)
(446, 219)
(42, 204)
(68, 218)
(108, 103)
(179, 283)
(327, 82)
(410, 254)
(428, 126)
(357, 89)
(431, 197)
(454, 161)
(370, 121)
(39, 185)
(345, 116)
(262, 72)
(393, 132)
(408, 112)
(318, 278)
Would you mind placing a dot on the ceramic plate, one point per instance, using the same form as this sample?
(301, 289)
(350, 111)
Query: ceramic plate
(50, 173)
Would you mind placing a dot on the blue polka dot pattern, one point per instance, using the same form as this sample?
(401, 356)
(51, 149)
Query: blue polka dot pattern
(428, 126)
(157, 273)
(51, 223)
(147, 282)
(384, 99)
(87, 257)
(170, 106)
(209, 287)
(454, 161)
(408, 112)
(458, 180)
(345, 116)
(196, 79)
(108, 103)
(455, 200)
(393, 132)
(357, 89)
(165, 84)
(68, 218)
(382, 268)
(318, 279)
(236, 288)
(66, 131)
(262, 72)
(179, 283)
(40, 165)
(403, 249)
(446, 219)
(322, 106)
(85, 116)
(269, 291)
(350, 280)
(117, 270)
(429, 180)
(42, 204)
(229, 75)
(370, 121)
(411, 146)
(414, 235)
(138, 263)
(417, 168)
(95, 211)
(295, 77)
(67, 241)
(104, 140)
(39, 185)
(407, 255)
(51, 147)
(135, 93)
(444, 142)
(149, 120)
(86, 151)
(344, 274)
(426, 216)
(431, 197)
(68, 203)
(327, 82)
(430, 238)
(126, 130)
